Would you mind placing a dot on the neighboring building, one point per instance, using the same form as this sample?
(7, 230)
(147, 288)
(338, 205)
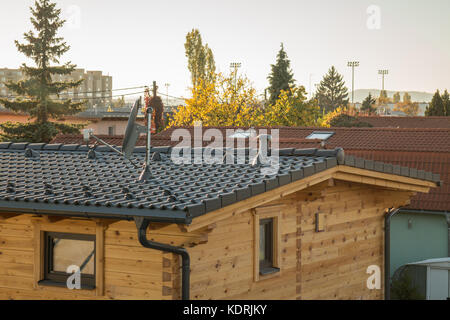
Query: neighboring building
(388, 109)
(104, 121)
(198, 231)
(96, 87)
(407, 122)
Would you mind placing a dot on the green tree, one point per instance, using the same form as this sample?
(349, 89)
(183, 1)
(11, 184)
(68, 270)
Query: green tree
(201, 62)
(38, 93)
(406, 98)
(396, 98)
(402, 288)
(346, 120)
(332, 92)
(446, 101)
(368, 105)
(281, 76)
(436, 107)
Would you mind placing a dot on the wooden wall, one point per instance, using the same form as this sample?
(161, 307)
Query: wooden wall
(130, 271)
(314, 265)
(333, 264)
(326, 265)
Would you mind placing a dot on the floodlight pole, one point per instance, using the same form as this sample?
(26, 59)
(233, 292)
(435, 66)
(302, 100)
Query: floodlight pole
(383, 73)
(353, 64)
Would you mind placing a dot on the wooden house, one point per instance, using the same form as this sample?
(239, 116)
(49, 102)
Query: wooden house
(312, 230)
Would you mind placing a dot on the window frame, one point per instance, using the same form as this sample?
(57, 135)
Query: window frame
(42, 224)
(269, 268)
(58, 277)
(268, 245)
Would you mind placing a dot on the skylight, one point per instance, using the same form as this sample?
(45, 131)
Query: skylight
(320, 135)
(239, 134)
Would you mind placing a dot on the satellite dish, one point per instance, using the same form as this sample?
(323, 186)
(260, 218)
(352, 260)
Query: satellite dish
(132, 131)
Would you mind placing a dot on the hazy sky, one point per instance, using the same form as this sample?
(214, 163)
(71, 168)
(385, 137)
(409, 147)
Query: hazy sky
(138, 41)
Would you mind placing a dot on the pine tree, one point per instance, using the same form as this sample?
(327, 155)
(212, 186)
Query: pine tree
(37, 91)
(332, 92)
(368, 105)
(436, 107)
(446, 101)
(281, 76)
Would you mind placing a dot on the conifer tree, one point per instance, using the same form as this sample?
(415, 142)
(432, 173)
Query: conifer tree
(332, 92)
(281, 77)
(368, 105)
(446, 101)
(38, 93)
(436, 107)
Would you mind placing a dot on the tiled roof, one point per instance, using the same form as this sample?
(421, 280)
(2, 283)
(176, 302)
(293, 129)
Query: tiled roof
(427, 149)
(438, 199)
(407, 122)
(386, 139)
(159, 141)
(55, 178)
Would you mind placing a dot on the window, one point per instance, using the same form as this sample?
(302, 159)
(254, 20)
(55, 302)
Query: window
(267, 242)
(111, 131)
(63, 250)
(265, 245)
(320, 135)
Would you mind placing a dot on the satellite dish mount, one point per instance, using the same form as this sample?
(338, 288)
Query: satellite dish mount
(132, 133)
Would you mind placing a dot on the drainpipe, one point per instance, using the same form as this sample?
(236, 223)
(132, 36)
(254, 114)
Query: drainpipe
(387, 253)
(142, 225)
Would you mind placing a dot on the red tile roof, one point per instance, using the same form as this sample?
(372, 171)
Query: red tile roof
(407, 122)
(386, 139)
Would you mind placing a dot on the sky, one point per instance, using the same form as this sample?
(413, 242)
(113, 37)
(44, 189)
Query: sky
(141, 41)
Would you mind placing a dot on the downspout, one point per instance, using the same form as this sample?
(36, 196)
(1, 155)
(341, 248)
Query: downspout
(142, 225)
(387, 253)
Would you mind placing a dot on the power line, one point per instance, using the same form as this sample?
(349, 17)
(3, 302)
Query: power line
(84, 98)
(173, 97)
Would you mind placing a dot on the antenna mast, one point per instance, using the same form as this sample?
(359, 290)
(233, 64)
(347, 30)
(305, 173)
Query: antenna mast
(147, 173)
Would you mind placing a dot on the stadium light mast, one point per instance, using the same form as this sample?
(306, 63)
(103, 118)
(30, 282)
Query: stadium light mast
(353, 65)
(235, 66)
(383, 73)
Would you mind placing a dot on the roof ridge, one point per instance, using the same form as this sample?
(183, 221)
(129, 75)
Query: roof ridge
(23, 146)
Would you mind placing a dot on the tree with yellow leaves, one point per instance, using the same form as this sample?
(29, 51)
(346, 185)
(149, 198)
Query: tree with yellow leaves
(220, 101)
(292, 109)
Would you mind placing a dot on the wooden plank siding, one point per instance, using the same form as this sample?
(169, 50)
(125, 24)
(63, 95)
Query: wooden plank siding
(313, 265)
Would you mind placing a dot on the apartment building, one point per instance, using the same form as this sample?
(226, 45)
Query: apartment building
(96, 87)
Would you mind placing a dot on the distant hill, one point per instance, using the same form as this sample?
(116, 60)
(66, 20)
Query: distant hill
(416, 96)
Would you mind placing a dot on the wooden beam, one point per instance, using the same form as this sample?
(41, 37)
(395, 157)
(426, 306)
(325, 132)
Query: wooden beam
(386, 176)
(53, 219)
(259, 200)
(100, 259)
(379, 182)
(340, 172)
(6, 216)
